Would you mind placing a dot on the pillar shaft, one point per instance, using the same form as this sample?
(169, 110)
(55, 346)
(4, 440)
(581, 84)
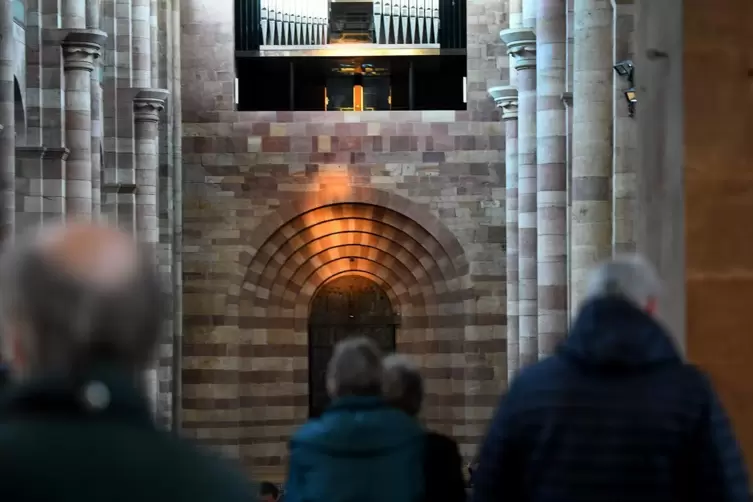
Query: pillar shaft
(154, 37)
(521, 44)
(80, 50)
(625, 137)
(7, 121)
(92, 22)
(177, 233)
(551, 156)
(591, 213)
(506, 99)
(141, 45)
(147, 104)
(146, 118)
(73, 13)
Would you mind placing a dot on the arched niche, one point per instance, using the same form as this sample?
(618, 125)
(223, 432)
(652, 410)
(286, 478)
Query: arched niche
(345, 307)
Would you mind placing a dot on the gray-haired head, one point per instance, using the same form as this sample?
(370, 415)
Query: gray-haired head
(402, 385)
(355, 369)
(630, 277)
(73, 297)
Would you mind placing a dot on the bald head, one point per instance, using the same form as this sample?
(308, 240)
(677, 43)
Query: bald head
(76, 296)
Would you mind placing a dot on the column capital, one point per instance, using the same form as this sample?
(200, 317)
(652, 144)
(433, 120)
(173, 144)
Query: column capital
(506, 99)
(521, 45)
(81, 48)
(148, 103)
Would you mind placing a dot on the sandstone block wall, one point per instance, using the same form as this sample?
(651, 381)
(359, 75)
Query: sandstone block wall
(277, 203)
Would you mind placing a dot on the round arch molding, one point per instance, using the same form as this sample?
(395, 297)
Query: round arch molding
(366, 232)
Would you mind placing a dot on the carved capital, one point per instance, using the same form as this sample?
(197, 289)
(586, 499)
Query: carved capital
(506, 99)
(521, 45)
(148, 104)
(81, 48)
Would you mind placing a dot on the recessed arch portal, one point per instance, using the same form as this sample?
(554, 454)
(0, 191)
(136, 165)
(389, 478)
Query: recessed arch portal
(318, 240)
(350, 305)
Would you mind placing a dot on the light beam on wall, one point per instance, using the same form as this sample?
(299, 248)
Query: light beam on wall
(236, 91)
(465, 89)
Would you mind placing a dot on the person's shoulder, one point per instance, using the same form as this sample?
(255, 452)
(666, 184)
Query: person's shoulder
(551, 369)
(310, 430)
(210, 470)
(440, 443)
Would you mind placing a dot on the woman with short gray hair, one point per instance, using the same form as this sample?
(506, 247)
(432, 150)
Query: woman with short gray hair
(360, 448)
(403, 388)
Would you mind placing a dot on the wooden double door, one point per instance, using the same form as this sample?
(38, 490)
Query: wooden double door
(348, 306)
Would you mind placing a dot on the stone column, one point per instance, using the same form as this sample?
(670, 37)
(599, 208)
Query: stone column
(80, 50)
(147, 105)
(177, 232)
(625, 136)
(7, 122)
(521, 44)
(154, 36)
(73, 14)
(506, 99)
(93, 22)
(141, 43)
(551, 156)
(591, 213)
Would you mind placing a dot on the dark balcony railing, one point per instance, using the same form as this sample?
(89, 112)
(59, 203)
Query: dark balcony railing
(292, 24)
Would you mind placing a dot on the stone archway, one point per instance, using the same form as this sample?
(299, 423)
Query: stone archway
(262, 336)
(347, 306)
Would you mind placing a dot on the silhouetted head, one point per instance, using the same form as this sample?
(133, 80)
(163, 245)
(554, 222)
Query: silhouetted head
(268, 492)
(629, 277)
(355, 369)
(76, 296)
(402, 385)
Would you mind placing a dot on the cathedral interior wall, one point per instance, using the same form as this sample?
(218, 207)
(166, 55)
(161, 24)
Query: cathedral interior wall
(277, 203)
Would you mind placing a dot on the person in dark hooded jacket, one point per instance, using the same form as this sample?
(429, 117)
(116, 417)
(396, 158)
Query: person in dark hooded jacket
(361, 448)
(615, 415)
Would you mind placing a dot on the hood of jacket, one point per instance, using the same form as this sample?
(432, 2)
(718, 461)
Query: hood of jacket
(358, 426)
(611, 333)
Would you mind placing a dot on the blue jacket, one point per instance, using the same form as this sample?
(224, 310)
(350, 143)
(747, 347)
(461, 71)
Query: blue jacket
(359, 450)
(614, 416)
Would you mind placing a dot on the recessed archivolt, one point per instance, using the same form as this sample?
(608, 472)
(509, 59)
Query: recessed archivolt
(344, 217)
(381, 235)
(328, 234)
(378, 240)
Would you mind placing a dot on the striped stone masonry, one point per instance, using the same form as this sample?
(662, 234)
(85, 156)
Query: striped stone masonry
(521, 44)
(81, 48)
(148, 104)
(624, 155)
(551, 157)
(591, 212)
(93, 22)
(506, 99)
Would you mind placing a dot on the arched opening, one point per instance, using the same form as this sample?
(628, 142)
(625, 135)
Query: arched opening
(345, 307)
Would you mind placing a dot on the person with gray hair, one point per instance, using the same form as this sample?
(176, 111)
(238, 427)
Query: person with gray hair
(403, 388)
(81, 309)
(615, 414)
(360, 448)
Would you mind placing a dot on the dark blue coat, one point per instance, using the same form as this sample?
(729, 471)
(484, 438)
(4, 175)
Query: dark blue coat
(614, 416)
(359, 450)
